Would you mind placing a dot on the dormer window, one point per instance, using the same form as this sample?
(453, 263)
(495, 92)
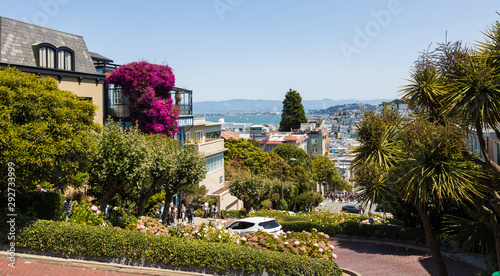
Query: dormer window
(49, 56)
(65, 59)
(46, 56)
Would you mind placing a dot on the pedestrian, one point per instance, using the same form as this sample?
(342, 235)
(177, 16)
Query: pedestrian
(192, 213)
(175, 213)
(206, 209)
(189, 215)
(39, 188)
(214, 211)
(183, 213)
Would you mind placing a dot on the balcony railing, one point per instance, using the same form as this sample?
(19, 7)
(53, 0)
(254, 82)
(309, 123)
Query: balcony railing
(117, 104)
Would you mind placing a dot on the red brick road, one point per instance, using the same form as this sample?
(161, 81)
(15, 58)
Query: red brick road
(377, 259)
(42, 269)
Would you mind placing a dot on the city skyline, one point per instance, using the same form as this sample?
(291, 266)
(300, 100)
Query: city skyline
(237, 49)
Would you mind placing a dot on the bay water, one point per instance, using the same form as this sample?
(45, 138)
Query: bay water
(269, 119)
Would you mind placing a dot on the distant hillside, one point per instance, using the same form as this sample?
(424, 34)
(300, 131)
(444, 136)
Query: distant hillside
(268, 106)
(343, 108)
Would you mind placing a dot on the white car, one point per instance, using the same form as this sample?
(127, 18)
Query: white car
(254, 224)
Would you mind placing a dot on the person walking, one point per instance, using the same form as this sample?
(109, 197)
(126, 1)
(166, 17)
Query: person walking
(175, 213)
(183, 213)
(189, 214)
(206, 209)
(214, 210)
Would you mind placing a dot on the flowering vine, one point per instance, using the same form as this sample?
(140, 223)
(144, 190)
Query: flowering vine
(147, 86)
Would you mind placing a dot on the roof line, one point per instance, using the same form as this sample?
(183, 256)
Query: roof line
(3, 17)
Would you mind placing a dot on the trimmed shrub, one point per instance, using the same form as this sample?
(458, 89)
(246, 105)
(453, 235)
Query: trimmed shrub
(237, 214)
(82, 213)
(198, 213)
(353, 228)
(94, 242)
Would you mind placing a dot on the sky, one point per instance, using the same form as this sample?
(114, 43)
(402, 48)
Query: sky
(259, 49)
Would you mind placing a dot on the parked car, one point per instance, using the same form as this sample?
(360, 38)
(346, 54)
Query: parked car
(254, 224)
(351, 209)
(380, 208)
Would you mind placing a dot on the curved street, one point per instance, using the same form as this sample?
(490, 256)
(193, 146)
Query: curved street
(366, 258)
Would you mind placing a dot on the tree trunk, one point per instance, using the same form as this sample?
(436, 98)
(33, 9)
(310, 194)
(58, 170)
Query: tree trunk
(431, 241)
(145, 198)
(115, 187)
(168, 199)
(495, 222)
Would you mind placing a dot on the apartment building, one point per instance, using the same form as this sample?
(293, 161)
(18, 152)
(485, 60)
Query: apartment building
(206, 137)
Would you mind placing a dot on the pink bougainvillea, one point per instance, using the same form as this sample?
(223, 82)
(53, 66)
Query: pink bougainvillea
(147, 86)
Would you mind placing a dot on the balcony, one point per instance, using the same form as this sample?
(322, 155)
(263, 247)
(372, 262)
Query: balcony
(117, 104)
(210, 146)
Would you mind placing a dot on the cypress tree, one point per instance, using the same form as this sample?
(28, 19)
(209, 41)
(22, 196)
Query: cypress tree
(293, 113)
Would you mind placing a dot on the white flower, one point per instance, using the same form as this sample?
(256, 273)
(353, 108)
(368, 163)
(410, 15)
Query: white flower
(334, 255)
(316, 244)
(296, 243)
(321, 250)
(93, 208)
(332, 247)
(243, 239)
(219, 236)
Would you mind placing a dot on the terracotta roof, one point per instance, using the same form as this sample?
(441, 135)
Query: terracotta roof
(226, 134)
(301, 138)
(291, 137)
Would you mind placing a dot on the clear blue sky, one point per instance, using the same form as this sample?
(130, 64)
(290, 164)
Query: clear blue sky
(258, 49)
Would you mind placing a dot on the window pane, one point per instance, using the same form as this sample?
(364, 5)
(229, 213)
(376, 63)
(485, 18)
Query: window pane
(42, 55)
(67, 60)
(50, 58)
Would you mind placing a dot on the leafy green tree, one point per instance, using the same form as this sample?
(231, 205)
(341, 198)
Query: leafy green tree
(307, 201)
(243, 154)
(46, 132)
(324, 170)
(162, 153)
(254, 142)
(191, 169)
(294, 155)
(121, 158)
(293, 113)
(249, 189)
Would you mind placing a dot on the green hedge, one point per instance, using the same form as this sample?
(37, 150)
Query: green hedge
(94, 241)
(233, 214)
(42, 205)
(353, 228)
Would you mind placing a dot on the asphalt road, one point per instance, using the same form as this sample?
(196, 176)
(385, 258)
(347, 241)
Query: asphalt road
(336, 207)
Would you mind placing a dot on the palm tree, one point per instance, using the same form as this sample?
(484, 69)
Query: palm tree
(426, 88)
(476, 99)
(433, 170)
(378, 140)
(376, 155)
